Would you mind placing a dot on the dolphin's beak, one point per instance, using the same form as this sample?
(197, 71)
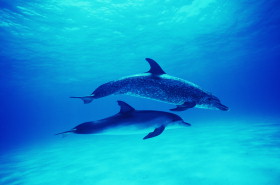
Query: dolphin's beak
(222, 107)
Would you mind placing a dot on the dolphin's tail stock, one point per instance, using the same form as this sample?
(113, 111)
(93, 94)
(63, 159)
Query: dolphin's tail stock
(86, 99)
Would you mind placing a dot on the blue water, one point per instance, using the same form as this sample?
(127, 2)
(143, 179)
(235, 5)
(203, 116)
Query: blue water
(51, 50)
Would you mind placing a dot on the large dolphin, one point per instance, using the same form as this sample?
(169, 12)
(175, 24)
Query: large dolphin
(129, 120)
(157, 85)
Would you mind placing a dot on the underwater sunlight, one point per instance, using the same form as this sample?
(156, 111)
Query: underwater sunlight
(141, 92)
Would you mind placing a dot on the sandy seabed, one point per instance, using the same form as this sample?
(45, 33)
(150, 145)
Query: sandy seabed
(214, 153)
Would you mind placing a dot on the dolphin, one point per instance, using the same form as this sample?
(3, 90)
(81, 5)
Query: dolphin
(129, 120)
(155, 84)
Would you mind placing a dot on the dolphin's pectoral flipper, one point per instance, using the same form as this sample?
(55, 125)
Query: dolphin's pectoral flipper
(155, 68)
(86, 99)
(155, 133)
(185, 106)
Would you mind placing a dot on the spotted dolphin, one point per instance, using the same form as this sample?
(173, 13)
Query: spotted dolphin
(129, 120)
(155, 84)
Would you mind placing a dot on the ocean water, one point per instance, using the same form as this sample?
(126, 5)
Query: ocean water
(51, 50)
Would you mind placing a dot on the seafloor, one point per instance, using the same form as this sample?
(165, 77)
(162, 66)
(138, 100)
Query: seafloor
(216, 153)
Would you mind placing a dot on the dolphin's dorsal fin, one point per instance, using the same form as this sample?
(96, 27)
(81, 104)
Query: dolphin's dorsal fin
(155, 68)
(125, 108)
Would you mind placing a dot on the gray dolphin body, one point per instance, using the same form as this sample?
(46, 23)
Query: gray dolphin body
(130, 120)
(157, 85)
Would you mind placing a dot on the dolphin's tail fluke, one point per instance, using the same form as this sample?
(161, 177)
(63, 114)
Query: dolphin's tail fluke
(64, 132)
(86, 99)
(186, 124)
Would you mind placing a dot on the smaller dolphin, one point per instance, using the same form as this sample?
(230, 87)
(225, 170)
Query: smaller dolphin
(131, 120)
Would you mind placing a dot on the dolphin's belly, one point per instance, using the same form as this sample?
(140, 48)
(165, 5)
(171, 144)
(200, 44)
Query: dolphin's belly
(138, 122)
(167, 89)
(126, 130)
(134, 129)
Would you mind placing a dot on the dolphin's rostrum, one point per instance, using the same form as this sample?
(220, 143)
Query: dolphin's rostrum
(129, 120)
(157, 85)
